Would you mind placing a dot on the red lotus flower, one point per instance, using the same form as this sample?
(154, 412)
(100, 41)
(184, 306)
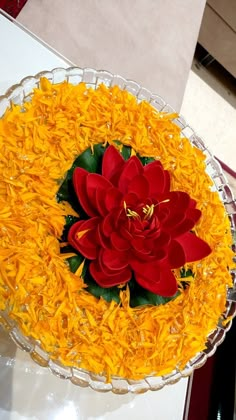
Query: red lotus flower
(136, 224)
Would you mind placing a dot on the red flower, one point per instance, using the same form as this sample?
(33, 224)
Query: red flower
(136, 225)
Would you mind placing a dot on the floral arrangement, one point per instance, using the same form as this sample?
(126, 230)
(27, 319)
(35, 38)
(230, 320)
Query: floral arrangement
(134, 226)
(114, 253)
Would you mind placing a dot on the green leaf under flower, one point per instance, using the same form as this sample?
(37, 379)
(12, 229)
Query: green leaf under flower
(109, 293)
(186, 273)
(70, 220)
(125, 151)
(145, 160)
(89, 160)
(75, 262)
(140, 296)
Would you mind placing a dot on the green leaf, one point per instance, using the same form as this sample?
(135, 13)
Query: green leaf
(140, 296)
(74, 202)
(91, 161)
(69, 221)
(110, 293)
(186, 273)
(149, 298)
(125, 151)
(63, 193)
(67, 249)
(74, 262)
(145, 160)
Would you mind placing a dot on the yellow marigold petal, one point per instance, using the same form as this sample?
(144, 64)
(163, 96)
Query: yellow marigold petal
(51, 304)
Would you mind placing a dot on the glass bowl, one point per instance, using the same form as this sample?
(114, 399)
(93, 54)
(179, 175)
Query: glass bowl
(20, 93)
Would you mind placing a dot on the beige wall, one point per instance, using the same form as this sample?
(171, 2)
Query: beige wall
(218, 32)
(150, 41)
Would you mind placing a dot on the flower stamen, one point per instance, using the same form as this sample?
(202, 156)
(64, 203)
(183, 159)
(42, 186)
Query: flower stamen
(148, 211)
(164, 201)
(130, 213)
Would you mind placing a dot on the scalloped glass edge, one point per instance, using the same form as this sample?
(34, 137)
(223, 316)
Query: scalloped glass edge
(20, 93)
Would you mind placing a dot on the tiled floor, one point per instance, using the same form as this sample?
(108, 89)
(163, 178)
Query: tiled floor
(210, 105)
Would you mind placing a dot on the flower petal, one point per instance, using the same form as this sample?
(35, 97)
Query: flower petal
(182, 228)
(126, 233)
(193, 214)
(110, 221)
(176, 255)
(79, 182)
(82, 237)
(139, 186)
(194, 248)
(138, 243)
(103, 280)
(100, 202)
(162, 241)
(167, 182)
(176, 201)
(95, 182)
(112, 162)
(119, 243)
(156, 277)
(173, 220)
(114, 260)
(113, 198)
(101, 239)
(131, 168)
(192, 203)
(155, 175)
(159, 256)
(130, 199)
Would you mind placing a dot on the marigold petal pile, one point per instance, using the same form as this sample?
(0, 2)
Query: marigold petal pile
(49, 303)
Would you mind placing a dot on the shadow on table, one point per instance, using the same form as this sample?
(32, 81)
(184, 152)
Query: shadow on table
(7, 359)
(49, 397)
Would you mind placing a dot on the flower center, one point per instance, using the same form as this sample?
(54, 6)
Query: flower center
(147, 210)
(130, 213)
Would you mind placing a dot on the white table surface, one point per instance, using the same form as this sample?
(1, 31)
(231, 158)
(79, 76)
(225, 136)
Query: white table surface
(22, 54)
(28, 391)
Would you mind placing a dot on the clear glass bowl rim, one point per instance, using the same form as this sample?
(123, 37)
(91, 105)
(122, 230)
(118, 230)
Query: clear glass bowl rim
(21, 92)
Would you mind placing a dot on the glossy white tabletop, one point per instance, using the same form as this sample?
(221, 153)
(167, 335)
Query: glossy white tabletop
(22, 54)
(28, 391)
